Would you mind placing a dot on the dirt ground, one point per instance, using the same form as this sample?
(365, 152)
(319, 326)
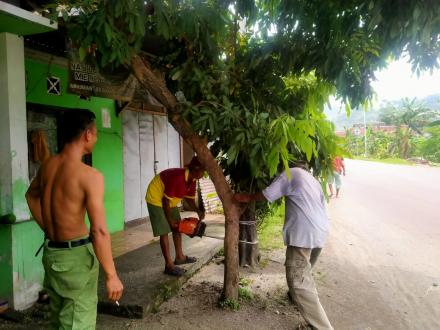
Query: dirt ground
(196, 306)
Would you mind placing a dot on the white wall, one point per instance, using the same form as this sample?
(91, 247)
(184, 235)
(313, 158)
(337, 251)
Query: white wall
(151, 145)
(14, 179)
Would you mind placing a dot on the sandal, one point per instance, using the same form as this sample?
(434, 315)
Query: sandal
(175, 271)
(187, 260)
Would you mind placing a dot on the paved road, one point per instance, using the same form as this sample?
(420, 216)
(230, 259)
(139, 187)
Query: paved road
(381, 266)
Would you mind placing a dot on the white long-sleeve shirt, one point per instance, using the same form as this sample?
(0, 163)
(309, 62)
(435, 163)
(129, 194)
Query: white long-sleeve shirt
(306, 223)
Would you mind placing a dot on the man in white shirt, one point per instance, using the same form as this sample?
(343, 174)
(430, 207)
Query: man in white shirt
(305, 231)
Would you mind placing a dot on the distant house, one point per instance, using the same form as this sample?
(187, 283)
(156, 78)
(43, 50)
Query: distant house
(359, 129)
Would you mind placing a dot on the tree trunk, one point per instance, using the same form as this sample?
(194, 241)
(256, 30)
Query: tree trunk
(405, 145)
(157, 87)
(248, 249)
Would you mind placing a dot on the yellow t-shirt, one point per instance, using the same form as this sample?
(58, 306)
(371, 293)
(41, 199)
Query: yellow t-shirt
(156, 191)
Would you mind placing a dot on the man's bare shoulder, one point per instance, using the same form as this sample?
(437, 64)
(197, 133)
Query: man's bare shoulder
(91, 175)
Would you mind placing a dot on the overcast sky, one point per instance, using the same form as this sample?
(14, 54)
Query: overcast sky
(397, 81)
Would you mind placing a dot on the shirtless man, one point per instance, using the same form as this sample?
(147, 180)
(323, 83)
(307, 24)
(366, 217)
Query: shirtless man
(58, 198)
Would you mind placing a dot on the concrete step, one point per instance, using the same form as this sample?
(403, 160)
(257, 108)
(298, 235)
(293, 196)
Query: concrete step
(141, 272)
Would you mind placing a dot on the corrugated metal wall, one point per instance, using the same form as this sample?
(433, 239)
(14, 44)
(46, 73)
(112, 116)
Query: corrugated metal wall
(211, 202)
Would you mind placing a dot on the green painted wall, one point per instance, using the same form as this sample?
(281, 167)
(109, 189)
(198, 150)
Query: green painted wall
(28, 273)
(21, 273)
(108, 153)
(5, 261)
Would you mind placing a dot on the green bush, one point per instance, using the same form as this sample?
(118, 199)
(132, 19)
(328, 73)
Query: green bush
(429, 147)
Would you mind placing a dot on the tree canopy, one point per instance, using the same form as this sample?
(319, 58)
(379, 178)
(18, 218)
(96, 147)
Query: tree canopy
(241, 65)
(252, 76)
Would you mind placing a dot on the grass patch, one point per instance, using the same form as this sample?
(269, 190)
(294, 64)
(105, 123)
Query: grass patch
(166, 291)
(264, 262)
(220, 253)
(396, 161)
(271, 229)
(229, 303)
(245, 281)
(245, 294)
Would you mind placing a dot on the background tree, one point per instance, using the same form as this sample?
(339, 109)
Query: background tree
(409, 117)
(220, 53)
(429, 147)
(411, 113)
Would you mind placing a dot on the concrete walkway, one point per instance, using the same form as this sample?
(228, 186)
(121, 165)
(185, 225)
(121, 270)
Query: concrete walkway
(140, 266)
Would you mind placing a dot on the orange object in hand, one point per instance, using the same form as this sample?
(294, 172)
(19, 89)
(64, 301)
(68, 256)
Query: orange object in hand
(191, 227)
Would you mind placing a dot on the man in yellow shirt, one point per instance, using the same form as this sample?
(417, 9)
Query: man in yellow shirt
(164, 193)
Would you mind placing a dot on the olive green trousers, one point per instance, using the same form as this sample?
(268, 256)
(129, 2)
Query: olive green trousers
(71, 280)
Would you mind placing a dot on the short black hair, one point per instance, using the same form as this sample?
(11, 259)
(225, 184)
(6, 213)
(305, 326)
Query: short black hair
(74, 123)
(194, 164)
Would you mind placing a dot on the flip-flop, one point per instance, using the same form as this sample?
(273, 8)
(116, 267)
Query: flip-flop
(175, 271)
(187, 260)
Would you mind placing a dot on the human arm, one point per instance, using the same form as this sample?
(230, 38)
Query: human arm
(274, 191)
(167, 210)
(33, 198)
(100, 235)
(343, 167)
(246, 198)
(192, 205)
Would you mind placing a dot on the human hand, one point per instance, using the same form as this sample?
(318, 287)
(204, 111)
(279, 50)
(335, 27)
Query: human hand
(114, 287)
(242, 198)
(174, 226)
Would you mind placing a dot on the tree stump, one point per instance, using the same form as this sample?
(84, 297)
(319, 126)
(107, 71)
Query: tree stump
(248, 249)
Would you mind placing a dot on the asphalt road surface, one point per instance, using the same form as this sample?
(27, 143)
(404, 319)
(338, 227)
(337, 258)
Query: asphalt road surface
(380, 268)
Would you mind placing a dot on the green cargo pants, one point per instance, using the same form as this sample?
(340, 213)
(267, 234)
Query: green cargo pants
(71, 280)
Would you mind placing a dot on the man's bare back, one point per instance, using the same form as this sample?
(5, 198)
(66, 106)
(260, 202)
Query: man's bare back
(64, 184)
(65, 188)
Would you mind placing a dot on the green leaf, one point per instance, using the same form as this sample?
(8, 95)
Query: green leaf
(272, 161)
(177, 75)
(211, 125)
(131, 25)
(232, 154)
(82, 53)
(108, 32)
(254, 152)
(347, 109)
(239, 137)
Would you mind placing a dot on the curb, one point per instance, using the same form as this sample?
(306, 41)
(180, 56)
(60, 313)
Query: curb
(164, 290)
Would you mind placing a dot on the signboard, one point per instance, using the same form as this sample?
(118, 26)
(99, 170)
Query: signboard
(86, 79)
